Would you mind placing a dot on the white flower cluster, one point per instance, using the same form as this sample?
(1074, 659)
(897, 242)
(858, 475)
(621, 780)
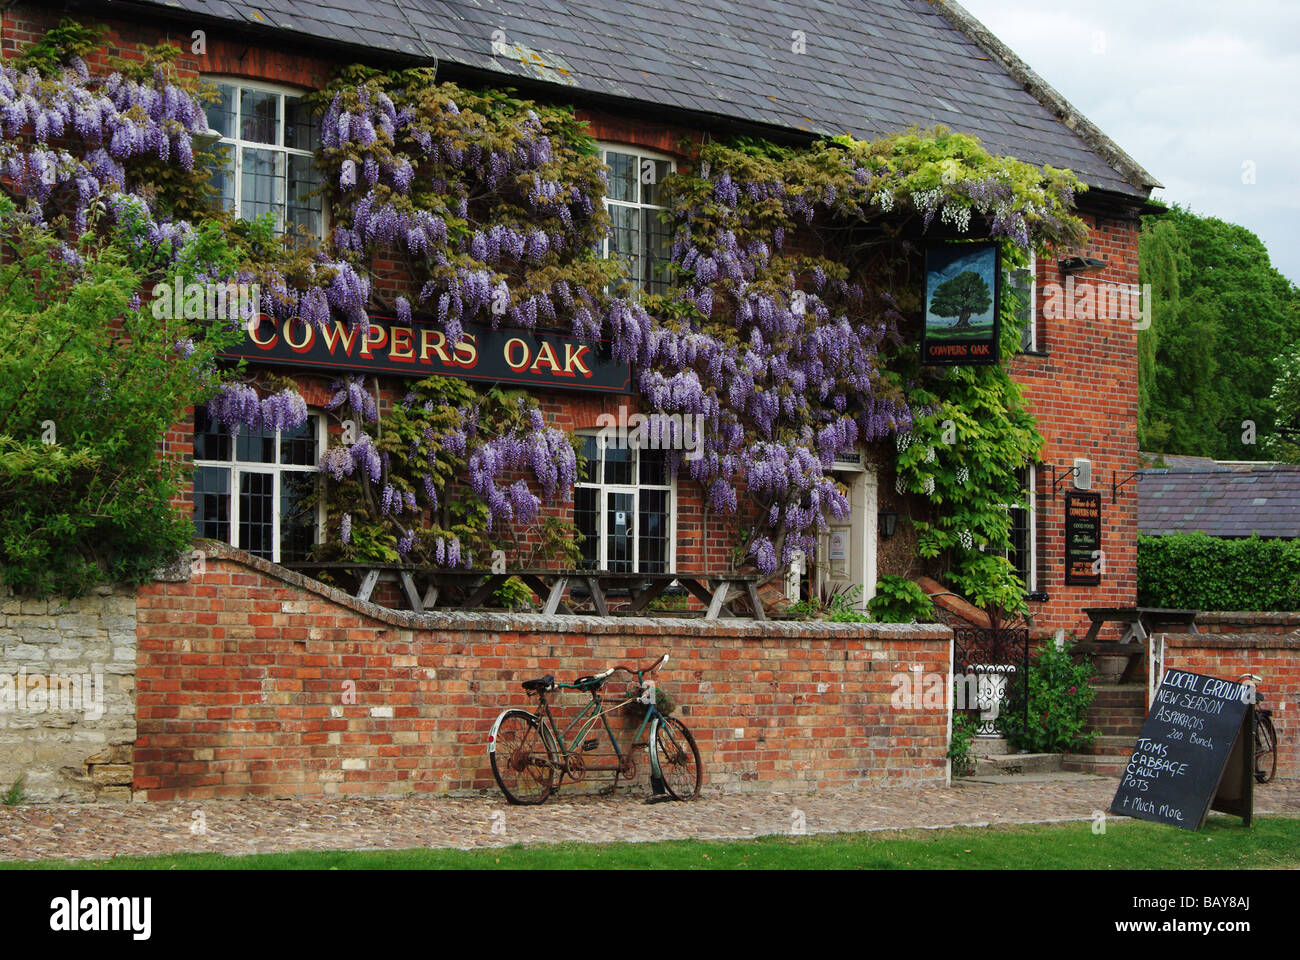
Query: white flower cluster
(967, 540)
(926, 199)
(930, 456)
(929, 486)
(956, 214)
(963, 475)
(900, 488)
(903, 441)
(884, 200)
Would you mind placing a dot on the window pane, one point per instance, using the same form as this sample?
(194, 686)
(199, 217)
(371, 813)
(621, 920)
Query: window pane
(211, 442)
(298, 447)
(654, 465)
(223, 177)
(625, 239)
(619, 527)
(658, 245)
(301, 131)
(212, 503)
(262, 184)
(257, 514)
(1019, 554)
(304, 210)
(1022, 286)
(622, 176)
(618, 465)
(591, 472)
(255, 446)
(652, 531)
(297, 517)
(654, 171)
(584, 517)
(221, 112)
(259, 116)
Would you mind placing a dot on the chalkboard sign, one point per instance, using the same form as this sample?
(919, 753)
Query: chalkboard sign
(1082, 538)
(1198, 728)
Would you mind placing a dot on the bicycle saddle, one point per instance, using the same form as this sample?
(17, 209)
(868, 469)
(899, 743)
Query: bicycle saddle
(542, 683)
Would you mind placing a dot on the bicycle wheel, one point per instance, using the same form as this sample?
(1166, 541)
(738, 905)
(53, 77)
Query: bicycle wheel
(1265, 749)
(523, 757)
(678, 758)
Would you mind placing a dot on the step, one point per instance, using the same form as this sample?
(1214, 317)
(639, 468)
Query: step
(991, 747)
(1017, 763)
(1099, 765)
(1052, 776)
(1109, 745)
(1120, 694)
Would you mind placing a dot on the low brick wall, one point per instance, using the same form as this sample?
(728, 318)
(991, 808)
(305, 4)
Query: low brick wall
(245, 673)
(1248, 622)
(1275, 658)
(67, 704)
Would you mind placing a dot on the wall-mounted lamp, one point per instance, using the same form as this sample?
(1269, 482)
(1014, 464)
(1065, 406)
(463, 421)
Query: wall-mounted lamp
(1081, 264)
(888, 524)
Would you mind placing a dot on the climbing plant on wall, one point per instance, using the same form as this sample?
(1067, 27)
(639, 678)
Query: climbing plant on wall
(792, 284)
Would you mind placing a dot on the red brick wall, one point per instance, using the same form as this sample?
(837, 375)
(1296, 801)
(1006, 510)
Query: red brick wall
(241, 671)
(1273, 658)
(1083, 393)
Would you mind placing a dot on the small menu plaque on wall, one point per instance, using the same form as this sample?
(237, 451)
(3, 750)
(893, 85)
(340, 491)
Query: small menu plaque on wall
(1083, 557)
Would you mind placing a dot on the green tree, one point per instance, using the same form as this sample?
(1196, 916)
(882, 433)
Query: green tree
(1222, 319)
(1284, 401)
(961, 296)
(89, 385)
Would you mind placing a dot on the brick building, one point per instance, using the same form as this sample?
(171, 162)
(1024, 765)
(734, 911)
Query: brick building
(650, 83)
(647, 87)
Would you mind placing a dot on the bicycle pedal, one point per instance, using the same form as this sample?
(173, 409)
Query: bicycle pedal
(591, 744)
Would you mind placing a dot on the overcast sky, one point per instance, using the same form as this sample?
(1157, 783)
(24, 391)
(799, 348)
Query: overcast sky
(1200, 92)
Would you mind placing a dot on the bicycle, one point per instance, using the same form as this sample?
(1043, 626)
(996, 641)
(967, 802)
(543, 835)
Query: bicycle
(531, 757)
(1265, 734)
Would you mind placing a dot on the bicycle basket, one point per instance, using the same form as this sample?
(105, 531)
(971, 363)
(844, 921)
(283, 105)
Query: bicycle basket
(663, 702)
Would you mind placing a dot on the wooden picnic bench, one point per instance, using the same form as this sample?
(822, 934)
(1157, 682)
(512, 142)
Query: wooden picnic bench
(1139, 623)
(423, 587)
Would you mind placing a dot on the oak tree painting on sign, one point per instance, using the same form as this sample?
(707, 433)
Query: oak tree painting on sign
(963, 287)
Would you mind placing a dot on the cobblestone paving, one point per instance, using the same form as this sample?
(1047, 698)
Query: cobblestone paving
(77, 831)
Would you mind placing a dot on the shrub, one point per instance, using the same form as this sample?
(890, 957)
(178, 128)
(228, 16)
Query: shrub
(1200, 572)
(1059, 697)
(963, 734)
(899, 600)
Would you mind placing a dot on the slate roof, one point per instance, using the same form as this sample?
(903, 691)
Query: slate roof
(1223, 500)
(870, 67)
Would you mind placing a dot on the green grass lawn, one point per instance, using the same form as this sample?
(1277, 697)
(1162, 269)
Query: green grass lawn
(1272, 842)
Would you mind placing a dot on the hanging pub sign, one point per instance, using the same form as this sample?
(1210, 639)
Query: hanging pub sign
(420, 349)
(963, 291)
(1083, 556)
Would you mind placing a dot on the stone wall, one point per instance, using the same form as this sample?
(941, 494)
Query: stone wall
(67, 695)
(255, 681)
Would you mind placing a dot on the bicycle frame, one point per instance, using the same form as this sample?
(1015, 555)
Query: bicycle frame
(586, 720)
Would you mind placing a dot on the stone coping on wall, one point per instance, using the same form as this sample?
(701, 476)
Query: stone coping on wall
(1250, 617)
(1271, 641)
(526, 622)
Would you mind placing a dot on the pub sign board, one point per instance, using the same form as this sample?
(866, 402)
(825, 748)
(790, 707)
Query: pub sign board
(1083, 556)
(420, 349)
(963, 294)
(1191, 753)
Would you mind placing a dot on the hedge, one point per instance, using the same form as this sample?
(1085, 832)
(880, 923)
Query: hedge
(1196, 571)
